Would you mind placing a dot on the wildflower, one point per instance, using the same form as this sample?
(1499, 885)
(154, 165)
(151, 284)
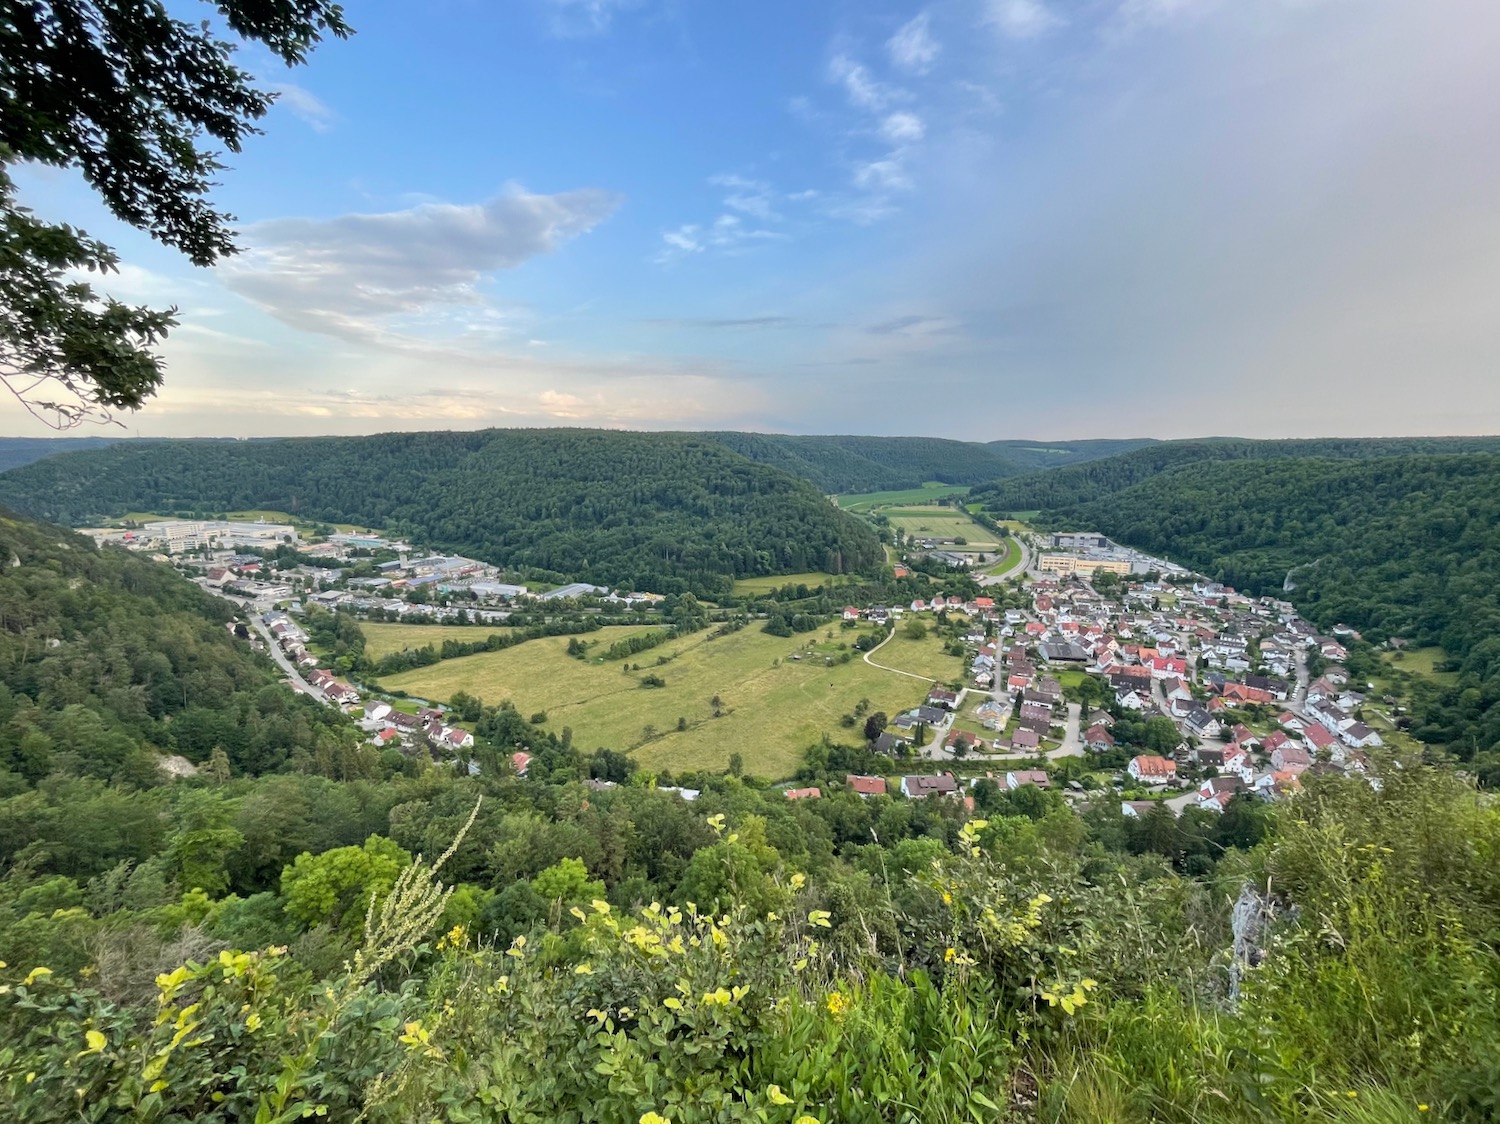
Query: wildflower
(807, 1120)
(777, 1096)
(584, 970)
(1423, 1108)
(947, 898)
(653, 1118)
(838, 1003)
(1352, 1093)
(96, 1042)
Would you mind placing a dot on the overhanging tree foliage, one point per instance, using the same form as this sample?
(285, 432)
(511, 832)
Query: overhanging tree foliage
(139, 102)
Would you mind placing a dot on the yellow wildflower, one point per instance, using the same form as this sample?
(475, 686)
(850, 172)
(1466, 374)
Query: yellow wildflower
(653, 1118)
(838, 1003)
(807, 1120)
(96, 1042)
(583, 970)
(949, 954)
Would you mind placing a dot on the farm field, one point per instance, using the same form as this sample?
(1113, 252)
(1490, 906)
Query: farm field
(1423, 662)
(865, 501)
(381, 639)
(242, 517)
(771, 714)
(749, 586)
(940, 522)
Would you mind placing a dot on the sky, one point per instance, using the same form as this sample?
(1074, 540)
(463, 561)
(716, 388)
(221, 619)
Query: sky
(977, 219)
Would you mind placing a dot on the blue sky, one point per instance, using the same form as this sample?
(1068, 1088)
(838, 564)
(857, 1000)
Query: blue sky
(969, 218)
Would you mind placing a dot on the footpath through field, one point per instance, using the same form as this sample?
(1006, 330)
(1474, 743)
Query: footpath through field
(896, 670)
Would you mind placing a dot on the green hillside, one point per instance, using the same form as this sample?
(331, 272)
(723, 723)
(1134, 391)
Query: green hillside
(1081, 482)
(666, 512)
(843, 464)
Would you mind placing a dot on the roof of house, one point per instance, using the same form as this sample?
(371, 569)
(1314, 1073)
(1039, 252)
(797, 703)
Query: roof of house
(942, 784)
(866, 786)
(803, 794)
(1149, 765)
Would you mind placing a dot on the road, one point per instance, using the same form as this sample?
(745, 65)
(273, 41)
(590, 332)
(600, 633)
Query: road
(1021, 566)
(254, 610)
(1072, 743)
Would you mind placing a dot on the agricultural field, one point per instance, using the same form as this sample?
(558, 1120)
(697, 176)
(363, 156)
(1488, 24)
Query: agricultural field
(864, 502)
(749, 587)
(940, 522)
(772, 706)
(381, 639)
(244, 517)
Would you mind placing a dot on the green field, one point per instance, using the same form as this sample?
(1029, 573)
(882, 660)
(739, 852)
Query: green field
(865, 501)
(920, 657)
(771, 714)
(1423, 662)
(940, 522)
(382, 639)
(245, 517)
(746, 587)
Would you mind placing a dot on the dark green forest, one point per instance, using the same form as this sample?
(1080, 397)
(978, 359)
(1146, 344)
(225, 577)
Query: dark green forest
(1082, 482)
(850, 464)
(663, 512)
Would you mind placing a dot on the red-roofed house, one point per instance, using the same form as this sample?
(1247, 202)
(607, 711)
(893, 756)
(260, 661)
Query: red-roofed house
(803, 794)
(1149, 769)
(866, 786)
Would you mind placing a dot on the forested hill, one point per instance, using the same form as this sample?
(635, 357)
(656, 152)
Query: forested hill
(663, 512)
(848, 464)
(107, 657)
(1083, 482)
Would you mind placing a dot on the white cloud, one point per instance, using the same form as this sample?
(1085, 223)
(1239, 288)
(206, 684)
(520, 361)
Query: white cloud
(860, 85)
(306, 105)
(902, 128)
(348, 276)
(1021, 19)
(913, 48)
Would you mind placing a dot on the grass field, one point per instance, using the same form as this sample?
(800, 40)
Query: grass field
(920, 657)
(940, 522)
(748, 586)
(771, 714)
(245, 517)
(382, 639)
(1010, 555)
(865, 501)
(1423, 662)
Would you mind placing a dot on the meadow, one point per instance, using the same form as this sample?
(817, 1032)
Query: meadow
(771, 706)
(750, 587)
(923, 657)
(1423, 662)
(1010, 555)
(381, 639)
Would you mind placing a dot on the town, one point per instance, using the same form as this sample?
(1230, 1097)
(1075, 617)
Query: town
(1096, 669)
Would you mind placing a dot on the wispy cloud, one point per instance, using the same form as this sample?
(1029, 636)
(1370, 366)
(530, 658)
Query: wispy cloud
(1021, 19)
(860, 86)
(737, 323)
(306, 105)
(750, 197)
(912, 48)
(727, 232)
(902, 128)
(584, 17)
(349, 276)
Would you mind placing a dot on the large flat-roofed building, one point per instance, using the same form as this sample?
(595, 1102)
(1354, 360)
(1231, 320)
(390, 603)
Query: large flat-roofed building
(1079, 540)
(1073, 564)
(177, 535)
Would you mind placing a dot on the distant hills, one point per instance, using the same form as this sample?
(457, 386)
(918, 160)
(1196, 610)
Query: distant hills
(845, 464)
(664, 512)
(834, 464)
